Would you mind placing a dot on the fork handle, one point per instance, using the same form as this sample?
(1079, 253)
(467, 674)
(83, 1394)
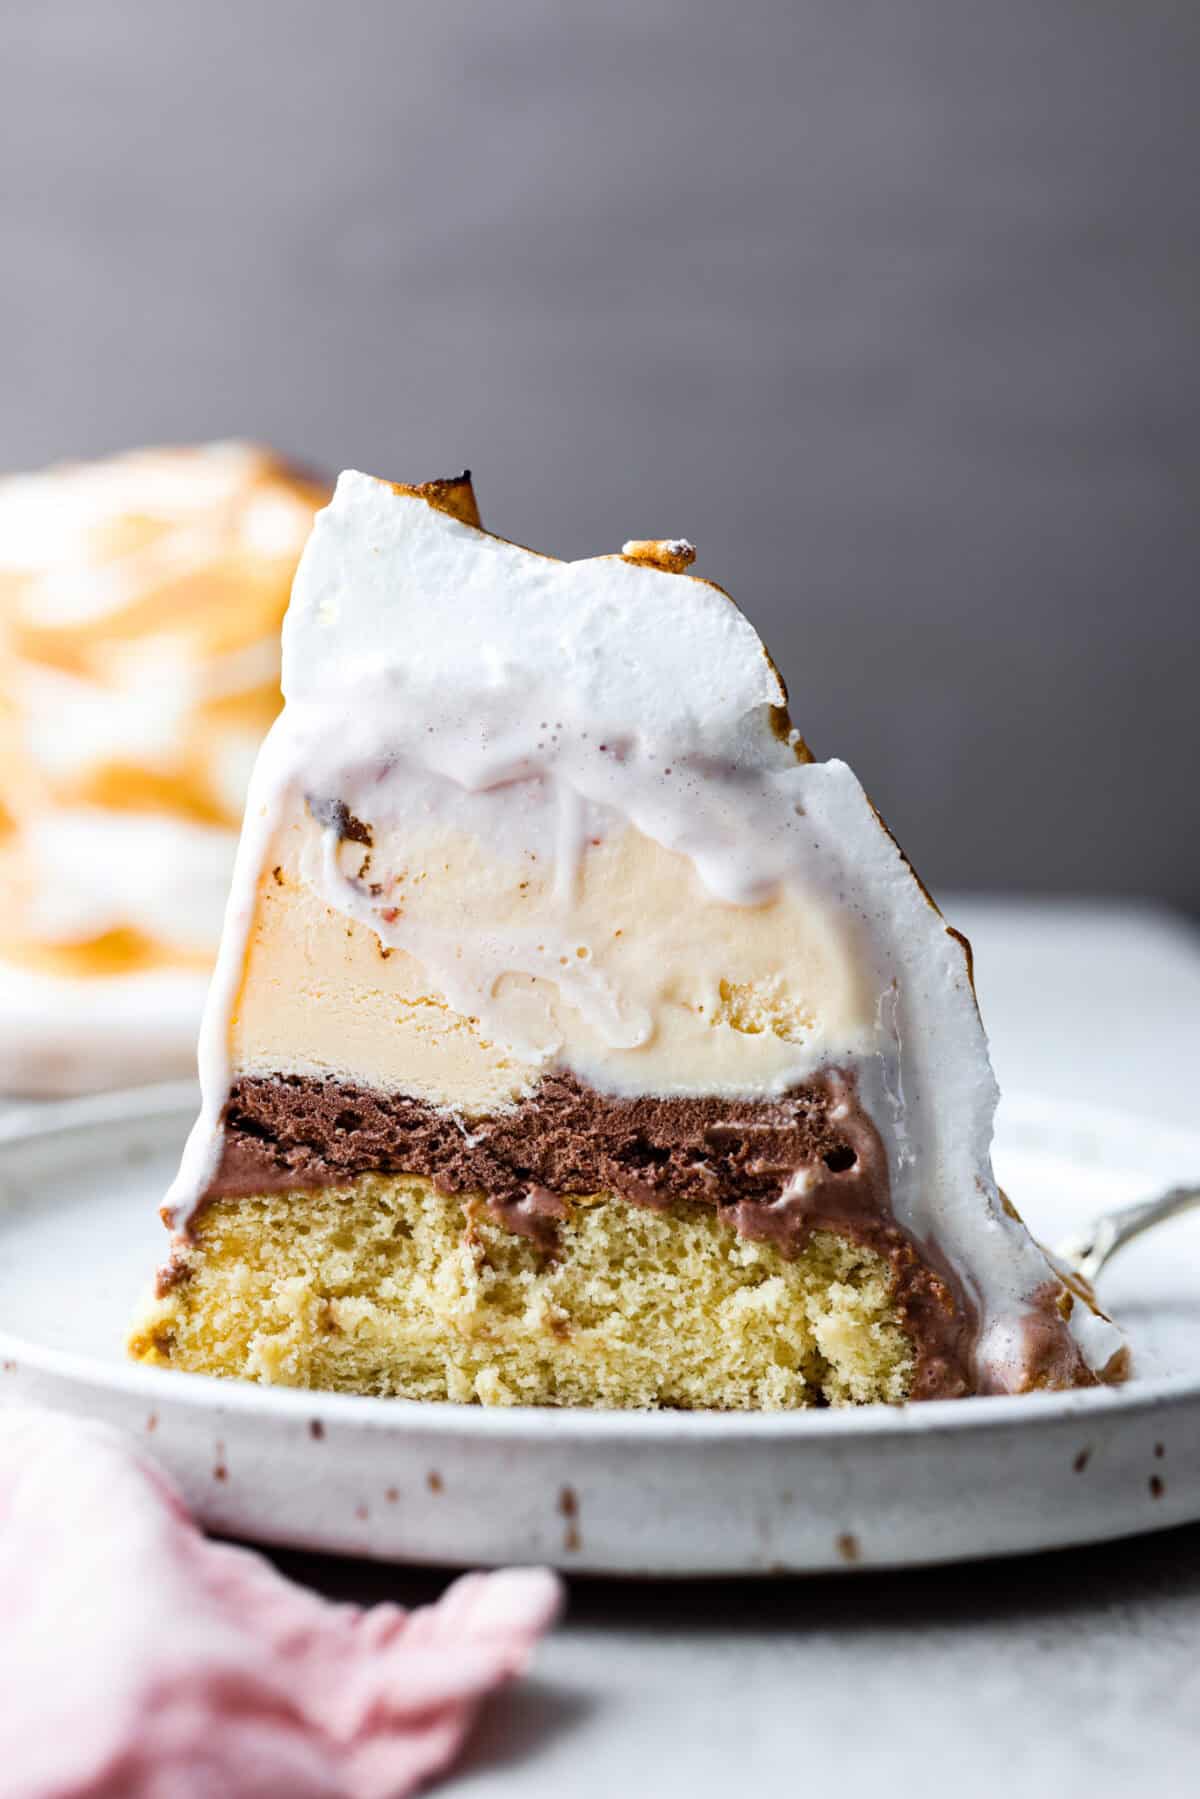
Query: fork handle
(1089, 1251)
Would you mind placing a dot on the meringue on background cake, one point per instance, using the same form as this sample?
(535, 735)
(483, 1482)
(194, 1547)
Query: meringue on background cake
(576, 1038)
(140, 604)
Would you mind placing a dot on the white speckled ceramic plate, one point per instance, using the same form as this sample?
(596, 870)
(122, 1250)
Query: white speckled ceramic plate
(668, 1493)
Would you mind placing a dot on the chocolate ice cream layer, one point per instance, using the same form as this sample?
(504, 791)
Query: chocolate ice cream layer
(777, 1169)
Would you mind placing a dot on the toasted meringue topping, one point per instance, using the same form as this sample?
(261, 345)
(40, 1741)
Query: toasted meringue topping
(670, 554)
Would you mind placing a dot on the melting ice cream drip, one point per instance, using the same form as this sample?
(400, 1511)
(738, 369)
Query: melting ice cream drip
(469, 967)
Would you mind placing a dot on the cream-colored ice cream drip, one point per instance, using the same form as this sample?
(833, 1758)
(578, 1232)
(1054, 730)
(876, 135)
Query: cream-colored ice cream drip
(522, 816)
(140, 604)
(642, 981)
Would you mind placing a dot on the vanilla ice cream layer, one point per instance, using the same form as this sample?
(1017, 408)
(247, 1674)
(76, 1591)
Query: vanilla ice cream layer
(437, 965)
(459, 710)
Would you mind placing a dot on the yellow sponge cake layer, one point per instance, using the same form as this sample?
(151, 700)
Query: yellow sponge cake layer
(387, 1286)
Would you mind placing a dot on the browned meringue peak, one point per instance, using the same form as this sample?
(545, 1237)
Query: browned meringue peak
(670, 554)
(453, 494)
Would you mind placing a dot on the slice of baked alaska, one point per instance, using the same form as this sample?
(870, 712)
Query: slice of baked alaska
(576, 1038)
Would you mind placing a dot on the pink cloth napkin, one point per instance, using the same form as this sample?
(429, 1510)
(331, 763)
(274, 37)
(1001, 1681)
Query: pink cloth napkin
(140, 1661)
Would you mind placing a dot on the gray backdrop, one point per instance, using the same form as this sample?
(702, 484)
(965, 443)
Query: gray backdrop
(891, 307)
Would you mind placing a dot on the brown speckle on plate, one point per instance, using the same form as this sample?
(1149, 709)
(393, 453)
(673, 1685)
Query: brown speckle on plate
(568, 1505)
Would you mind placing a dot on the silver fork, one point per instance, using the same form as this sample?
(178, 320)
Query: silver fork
(1086, 1252)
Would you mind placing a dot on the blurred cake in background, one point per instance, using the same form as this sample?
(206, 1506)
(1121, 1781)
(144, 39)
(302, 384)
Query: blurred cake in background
(140, 605)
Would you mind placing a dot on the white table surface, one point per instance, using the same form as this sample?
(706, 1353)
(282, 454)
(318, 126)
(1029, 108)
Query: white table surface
(1069, 1674)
